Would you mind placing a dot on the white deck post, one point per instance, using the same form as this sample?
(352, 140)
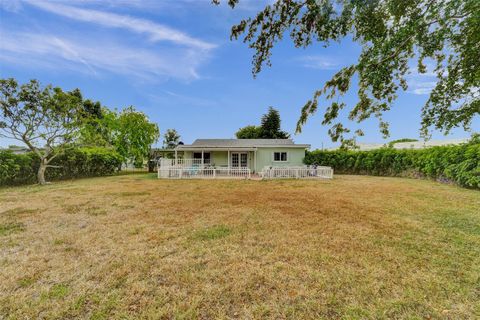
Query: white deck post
(255, 161)
(175, 156)
(228, 159)
(202, 160)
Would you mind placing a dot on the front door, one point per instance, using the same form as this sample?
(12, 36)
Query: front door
(239, 160)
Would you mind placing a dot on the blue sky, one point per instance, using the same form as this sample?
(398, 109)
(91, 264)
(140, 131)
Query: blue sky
(173, 60)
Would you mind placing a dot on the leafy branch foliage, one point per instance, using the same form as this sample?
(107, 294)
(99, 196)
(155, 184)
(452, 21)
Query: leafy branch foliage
(392, 34)
(393, 142)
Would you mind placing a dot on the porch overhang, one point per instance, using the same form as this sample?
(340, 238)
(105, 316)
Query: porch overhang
(199, 149)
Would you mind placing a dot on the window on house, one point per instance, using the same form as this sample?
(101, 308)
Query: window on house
(198, 156)
(280, 156)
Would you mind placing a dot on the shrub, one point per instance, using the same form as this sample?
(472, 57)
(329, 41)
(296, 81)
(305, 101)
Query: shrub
(16, 168)
(74, 163)
(459, 164)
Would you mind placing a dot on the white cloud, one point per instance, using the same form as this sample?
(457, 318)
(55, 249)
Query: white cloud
(155, 31)
(419, 86)
(422, 83)
(319, 62)
(50, 51)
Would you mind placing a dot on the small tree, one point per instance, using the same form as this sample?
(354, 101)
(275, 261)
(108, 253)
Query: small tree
(171, 138)
(45, 119)
(133, 134)
(270, 128)
(249, 132)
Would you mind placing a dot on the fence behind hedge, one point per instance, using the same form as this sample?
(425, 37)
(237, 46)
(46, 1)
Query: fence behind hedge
(459, 164)
(16, 169)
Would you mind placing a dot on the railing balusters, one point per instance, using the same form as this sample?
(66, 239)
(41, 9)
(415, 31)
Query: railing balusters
(297, 172)
(196, 172)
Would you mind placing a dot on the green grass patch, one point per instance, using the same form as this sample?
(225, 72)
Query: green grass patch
(26, 282)
(463, 223)
(11, 227)
(57, 291)
(212, 233)
(58, 242)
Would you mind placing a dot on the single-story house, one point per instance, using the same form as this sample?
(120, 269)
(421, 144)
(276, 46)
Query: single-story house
(254, 154)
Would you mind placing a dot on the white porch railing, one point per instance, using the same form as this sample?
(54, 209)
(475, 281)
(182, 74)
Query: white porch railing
(173, 172)
(297, 172)
(187, 163)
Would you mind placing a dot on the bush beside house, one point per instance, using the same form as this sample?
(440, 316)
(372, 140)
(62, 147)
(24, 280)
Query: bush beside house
(16, 169)
(458, 164)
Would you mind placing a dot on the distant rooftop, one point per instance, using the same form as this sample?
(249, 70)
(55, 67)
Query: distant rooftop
(242, 143)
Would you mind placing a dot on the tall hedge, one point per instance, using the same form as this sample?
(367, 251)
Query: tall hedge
(458, 164)
(16, 169)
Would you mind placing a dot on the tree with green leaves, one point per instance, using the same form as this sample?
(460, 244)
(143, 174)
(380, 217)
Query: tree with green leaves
(270, 125)
(249, 132)
(130, 131)
(132, 135)
(397, 37)
(95, 130)
(269, 128)
(45, 119)
(171, 138)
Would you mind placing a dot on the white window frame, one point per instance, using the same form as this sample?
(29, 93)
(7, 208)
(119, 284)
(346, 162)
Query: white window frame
(239, 164)
(280, 157)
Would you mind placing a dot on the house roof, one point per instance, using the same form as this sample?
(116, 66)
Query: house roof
(241, 143)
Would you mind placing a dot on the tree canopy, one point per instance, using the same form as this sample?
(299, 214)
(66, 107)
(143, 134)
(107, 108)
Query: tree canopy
(397, 37)
(249, 132)
(171, 138)
(129, 131)
(46, 119)
(269, 128)
(132, 134)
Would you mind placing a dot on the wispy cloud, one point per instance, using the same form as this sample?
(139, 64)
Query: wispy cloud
(51, 51)
(422, 83)
(419, 87)
(319, 62)
(155, 31)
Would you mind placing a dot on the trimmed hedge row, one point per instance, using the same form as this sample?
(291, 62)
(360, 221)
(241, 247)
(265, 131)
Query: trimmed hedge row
(458, 164)
(16, 169)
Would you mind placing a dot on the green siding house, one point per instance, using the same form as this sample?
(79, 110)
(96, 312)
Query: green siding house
(254, 154)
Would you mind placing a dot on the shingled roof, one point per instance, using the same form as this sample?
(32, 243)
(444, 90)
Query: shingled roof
(242, 143)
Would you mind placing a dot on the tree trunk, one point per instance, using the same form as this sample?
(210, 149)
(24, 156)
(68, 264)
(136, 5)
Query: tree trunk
(41, 172)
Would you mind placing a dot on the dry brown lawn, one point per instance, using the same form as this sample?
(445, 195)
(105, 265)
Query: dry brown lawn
(134, 247)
